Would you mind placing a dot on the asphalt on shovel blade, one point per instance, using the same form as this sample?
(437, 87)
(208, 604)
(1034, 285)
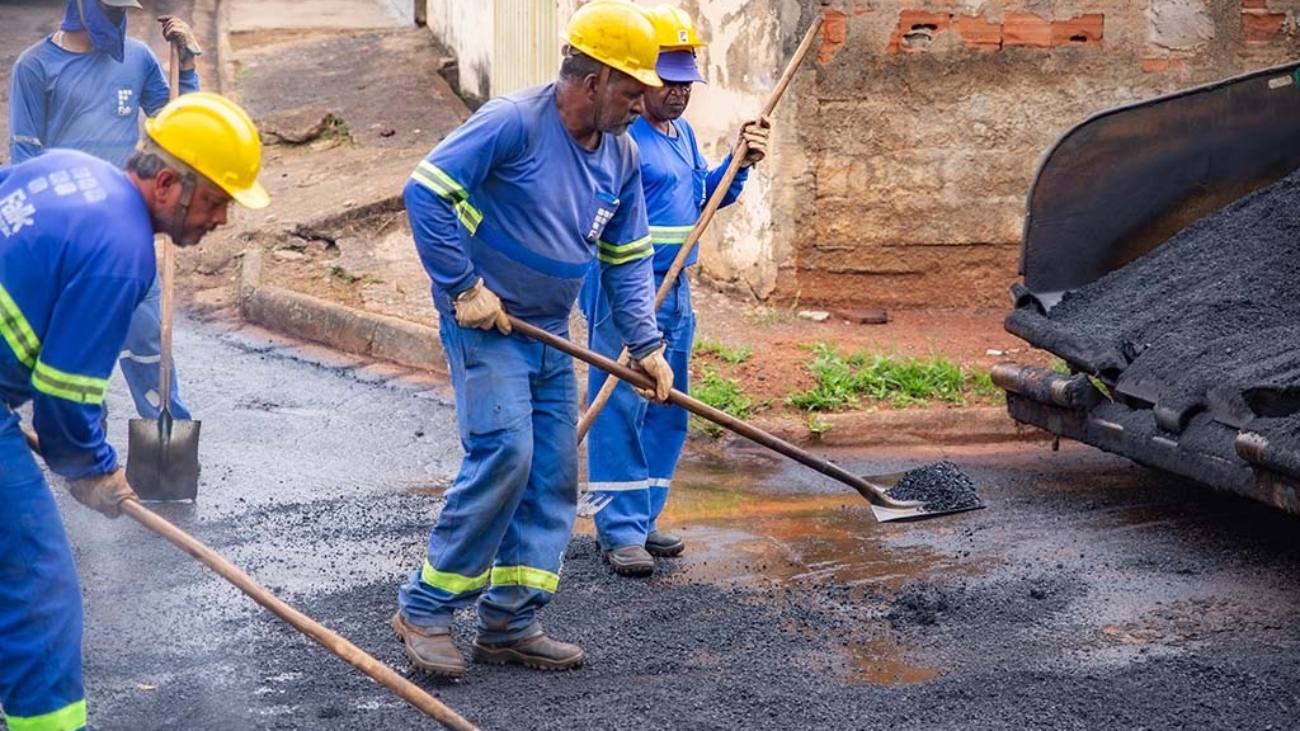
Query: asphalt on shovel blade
(942, 488)
(162, 460)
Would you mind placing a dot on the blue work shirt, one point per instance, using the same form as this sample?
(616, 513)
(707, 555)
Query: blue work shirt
(678, 183)
(85, 101)
(76, 258)
(511, 197)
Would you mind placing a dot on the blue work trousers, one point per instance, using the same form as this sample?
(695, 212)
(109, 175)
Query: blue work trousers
(141, 355)
(506, 521)
(40, 598)
(634, 445)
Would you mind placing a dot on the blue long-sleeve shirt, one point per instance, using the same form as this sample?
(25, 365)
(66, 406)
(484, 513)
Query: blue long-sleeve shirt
(76, 258)
(85, 101)
(678, 183)
(511, 197)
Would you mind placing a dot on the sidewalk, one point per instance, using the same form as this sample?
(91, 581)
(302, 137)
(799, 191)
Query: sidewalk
(331, 261)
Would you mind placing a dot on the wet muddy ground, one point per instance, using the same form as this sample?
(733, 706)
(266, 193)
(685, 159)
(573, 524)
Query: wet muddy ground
(1090, 593)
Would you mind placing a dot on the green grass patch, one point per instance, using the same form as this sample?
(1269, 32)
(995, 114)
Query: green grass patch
(846, 381)
(734, 356)
(721, 393)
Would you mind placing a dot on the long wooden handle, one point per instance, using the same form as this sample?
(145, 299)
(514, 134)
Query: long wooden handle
(386, 676)
(168, 267)
(706, 216)
(873, 493)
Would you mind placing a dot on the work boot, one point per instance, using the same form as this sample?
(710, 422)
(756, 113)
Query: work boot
(429, 649)
(538, 652)
(630, 561)
(664, 545)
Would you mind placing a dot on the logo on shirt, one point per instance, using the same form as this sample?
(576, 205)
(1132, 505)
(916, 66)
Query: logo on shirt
(124, 107)
(16, 212)
(606, 205)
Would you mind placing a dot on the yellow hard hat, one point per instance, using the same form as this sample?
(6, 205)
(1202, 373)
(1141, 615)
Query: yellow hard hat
(217, 139)
(673, 28)
(620, 35)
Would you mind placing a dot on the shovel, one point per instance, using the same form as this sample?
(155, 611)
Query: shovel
(163, 456)
(883, 507)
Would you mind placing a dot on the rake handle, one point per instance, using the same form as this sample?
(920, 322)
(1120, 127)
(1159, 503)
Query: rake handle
(738, 152)
(335, 643)
(873, 493)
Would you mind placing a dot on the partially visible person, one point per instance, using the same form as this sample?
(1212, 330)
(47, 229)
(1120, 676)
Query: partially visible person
(76, 259)
(508, 213)
(83, 88)
(633, 447)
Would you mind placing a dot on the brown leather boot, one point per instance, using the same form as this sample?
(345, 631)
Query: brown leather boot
(429, 649)
(664, 545)
(538, 652)
(630, 561)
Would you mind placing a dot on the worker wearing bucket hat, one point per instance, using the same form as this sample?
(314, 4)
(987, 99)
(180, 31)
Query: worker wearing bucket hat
(76, 259)
(83, 88)
(633, 447)
(508, 213)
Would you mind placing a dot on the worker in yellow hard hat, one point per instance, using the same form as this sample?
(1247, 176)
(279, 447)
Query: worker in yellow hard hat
(509, 212)
(633, 447)
(76, 259)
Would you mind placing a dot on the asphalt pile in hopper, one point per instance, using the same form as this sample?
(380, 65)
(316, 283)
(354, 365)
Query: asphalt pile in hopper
(1216, 308)
(940, 487)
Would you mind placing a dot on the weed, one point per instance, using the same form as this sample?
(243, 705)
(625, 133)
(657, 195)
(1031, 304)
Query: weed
(348, 277)
(734, 356)
(336, 127)
(720, 393)
(1059, 366)
(842, 382)
(818, 426)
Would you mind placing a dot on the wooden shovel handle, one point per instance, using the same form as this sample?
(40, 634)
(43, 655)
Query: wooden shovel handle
(706, 216)
(873, 493)
(381, 673)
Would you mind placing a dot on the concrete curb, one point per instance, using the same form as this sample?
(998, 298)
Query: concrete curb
(417, 346)
(328, 323)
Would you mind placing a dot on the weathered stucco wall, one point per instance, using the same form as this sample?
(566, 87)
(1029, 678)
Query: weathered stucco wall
(465, 28)
(930, 118)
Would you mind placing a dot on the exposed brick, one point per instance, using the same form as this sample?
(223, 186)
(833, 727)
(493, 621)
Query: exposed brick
(913, 24)
(1163, 65)
(1085, 30)
(835, 30)
(1026, 29)
(1261, 27)
(1255, 4)
(978, 32)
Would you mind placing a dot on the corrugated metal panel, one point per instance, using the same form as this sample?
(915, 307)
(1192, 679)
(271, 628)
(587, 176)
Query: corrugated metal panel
(526, 45)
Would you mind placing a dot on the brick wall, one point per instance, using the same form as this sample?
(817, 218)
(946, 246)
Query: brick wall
(925, 121)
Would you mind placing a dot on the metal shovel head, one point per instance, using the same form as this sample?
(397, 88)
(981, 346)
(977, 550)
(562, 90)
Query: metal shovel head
(162, 460)
(926, 510)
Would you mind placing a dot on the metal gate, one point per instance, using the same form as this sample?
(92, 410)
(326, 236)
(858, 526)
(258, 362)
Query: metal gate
(526, 44)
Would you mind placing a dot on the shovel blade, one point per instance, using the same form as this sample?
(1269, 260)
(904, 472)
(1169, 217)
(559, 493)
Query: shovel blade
(162, 460)
(884, 514)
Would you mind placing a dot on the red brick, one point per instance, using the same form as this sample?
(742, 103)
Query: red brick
(910, 21)
(1261, 27)
(1162, 65)
(835, 29)
(1085, 30)
(1026, 29)
(1256, 4)
(978, 33)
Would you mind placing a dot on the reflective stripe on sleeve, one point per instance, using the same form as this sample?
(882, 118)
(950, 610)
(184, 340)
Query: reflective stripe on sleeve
(670, 235)
(622, 254)
(68, 718)
(452, 583)
(80, 389)
(525, 576)
(433, 178)
(17, 332)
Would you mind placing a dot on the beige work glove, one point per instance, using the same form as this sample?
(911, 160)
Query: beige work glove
(179, 33)
(657, 368)
(755, 133)
(104, 493)
(479, 307)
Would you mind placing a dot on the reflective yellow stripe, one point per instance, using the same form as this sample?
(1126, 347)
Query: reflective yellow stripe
(68, 718)
(81, 389)
(17, 332)
(452, 583)
(525, 576)
(639, 249)
(433, 178)
(669, 235)
(470, 217)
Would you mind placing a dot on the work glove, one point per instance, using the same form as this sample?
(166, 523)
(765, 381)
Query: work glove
(657, 368)
(178, 32)
(755, 133)
(479, 307)
(104, 493)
